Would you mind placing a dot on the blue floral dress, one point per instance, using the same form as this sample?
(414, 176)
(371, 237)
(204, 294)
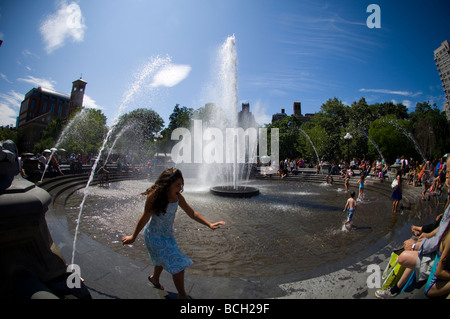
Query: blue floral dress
(161, 244)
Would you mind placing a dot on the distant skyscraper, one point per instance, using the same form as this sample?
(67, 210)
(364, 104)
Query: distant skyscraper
(442, 59)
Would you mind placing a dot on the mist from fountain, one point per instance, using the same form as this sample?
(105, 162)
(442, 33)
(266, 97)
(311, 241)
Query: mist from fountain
(374, 144)
(69, 129)
(409, 136)
(312, 144)
(137, 86)
(118, 136)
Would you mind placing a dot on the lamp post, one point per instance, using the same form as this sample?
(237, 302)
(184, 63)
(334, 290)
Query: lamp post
(157, 137)
(348, 137)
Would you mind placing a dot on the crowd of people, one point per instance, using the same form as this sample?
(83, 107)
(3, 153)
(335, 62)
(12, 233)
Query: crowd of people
(426, 255)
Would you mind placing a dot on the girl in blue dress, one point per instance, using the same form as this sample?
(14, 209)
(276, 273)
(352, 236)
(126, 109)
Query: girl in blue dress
(397, 193)
(163, 199)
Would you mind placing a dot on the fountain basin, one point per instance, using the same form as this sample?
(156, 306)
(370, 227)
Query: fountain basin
(231, 191)
(290, 227)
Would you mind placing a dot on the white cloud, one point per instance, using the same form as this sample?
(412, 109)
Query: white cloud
(9, 107)
(28, 54)
(383, 91)
(12, 98)
(7, 115)
(4, 77)
(66, 23)
(407, 103)
(90, 103)
(170, 75)
(48, 84)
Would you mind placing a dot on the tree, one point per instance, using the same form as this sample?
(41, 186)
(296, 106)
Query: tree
(333, 118)
(86, 133)
(289, 136)
(431, 130)
(180, 117)
(49, 136)
(388, 133)
(312, 142)
(135, 131)
(10, 133)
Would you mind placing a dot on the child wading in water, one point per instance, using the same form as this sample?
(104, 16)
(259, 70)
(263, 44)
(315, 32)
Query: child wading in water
(161, 205)
(361, 183)
(350, 208)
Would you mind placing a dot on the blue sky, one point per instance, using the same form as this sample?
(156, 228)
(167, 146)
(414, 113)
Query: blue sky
(308, 51)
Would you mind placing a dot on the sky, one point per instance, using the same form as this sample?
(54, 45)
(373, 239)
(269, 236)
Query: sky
(159, 53)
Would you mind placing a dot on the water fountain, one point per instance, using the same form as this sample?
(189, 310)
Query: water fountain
(228, 99)
(137, 86)
(409, 136)
(67, 130)
(290, 228)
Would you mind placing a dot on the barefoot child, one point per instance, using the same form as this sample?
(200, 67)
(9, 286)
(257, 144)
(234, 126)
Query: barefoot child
(361, 183)
(350, 208)
(161, 205)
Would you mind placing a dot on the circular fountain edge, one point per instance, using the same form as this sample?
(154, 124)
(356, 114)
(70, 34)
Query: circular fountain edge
(230, 191)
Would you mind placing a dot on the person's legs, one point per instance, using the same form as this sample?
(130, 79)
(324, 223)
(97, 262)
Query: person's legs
(178, 280)
(441, 288)
(408, 260)
(394, 206)
(154, 279)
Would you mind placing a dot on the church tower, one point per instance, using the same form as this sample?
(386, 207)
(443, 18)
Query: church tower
(77, 94)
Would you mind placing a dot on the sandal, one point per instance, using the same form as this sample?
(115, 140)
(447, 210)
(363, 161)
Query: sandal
(157, 286)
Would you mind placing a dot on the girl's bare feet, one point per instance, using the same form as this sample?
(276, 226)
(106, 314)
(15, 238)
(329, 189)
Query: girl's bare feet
(155, 283)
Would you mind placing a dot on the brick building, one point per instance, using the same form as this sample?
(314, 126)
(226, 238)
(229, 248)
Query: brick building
(41, 106)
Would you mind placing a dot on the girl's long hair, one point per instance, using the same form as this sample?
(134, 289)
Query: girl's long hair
(161, 187)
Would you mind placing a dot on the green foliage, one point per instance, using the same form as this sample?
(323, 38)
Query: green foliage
(180, 117)
(49, 136)
(135, 132)
(379, 130)
(289, 137)
(7, 133)
(87, 134)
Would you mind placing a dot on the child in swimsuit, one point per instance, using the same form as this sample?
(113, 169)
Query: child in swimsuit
(361, 186)
(350, 207)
